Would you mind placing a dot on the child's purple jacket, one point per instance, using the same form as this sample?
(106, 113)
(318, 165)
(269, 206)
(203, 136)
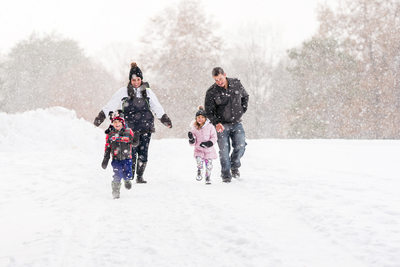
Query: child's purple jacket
(204, 134)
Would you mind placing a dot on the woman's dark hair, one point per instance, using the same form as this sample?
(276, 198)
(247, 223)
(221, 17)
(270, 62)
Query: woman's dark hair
(217, 71)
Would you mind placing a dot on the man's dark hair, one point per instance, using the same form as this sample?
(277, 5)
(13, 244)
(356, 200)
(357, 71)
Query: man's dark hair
(217, 71)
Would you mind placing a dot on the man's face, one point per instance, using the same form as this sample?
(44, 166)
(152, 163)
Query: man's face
(136, 81)
(220, 80)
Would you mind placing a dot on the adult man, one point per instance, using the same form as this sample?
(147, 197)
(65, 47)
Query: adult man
(225, 103)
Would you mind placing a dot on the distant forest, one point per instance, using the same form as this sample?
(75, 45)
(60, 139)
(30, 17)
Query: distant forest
(343, 82)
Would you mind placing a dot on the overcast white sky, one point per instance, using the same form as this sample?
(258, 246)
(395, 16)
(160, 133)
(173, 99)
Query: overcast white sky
(96, 24)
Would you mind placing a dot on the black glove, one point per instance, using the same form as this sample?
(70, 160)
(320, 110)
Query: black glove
(110, 115)
(105, 161)
(166, 121)
(109, 129)
(191, 138)
(206, 144)
(99, 119)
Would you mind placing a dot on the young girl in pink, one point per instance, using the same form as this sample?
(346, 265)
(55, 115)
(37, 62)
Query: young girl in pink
(203, 137)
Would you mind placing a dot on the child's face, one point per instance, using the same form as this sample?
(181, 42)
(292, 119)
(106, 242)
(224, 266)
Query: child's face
(201, 119)
(117, 124)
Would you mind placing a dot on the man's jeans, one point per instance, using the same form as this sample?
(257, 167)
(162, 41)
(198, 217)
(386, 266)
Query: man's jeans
(234, 132)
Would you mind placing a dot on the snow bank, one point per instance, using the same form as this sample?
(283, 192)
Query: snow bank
(42, 129)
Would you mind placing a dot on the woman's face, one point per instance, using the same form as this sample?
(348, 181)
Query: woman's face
(136, 81)
(200, 119)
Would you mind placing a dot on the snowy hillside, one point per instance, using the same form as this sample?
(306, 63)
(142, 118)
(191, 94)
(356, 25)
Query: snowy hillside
(314, 203)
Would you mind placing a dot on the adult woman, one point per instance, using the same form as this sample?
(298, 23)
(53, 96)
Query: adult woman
(138, 104)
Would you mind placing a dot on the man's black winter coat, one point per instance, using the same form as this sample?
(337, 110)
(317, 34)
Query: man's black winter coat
(226, 105)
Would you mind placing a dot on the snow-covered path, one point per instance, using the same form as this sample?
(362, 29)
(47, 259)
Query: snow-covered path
(300, 202)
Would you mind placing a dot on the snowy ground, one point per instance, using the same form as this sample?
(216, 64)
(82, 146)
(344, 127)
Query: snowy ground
(317, 203)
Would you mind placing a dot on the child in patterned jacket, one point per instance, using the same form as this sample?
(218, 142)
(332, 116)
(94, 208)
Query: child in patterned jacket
(119, 142)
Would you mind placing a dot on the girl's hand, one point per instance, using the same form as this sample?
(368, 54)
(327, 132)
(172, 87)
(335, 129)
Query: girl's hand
(191, 138)
(206, 144)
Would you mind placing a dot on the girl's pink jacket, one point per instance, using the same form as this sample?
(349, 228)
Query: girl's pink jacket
(204, 134)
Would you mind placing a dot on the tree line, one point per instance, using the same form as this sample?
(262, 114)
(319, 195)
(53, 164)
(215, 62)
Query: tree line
(343, 82)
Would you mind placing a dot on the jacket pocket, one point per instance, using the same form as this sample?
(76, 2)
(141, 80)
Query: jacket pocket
(222, 100)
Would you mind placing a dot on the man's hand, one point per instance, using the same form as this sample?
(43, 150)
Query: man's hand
(219, 127)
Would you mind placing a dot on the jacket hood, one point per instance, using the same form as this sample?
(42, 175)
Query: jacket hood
(193, 123)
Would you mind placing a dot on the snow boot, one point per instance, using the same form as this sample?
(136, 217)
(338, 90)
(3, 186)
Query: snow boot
(128, 184)
(116, 186)
(141, 166)
(208, 180)
(199, 177)
(235, 173)
(226, 179)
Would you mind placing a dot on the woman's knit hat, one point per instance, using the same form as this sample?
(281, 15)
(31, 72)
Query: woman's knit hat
(135, 70)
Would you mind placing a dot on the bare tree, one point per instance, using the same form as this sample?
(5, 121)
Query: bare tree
(117, 57)
(252, 60)
(346, 78)
(369, 30)
(325, 86)
(51, 71)
(179, 56)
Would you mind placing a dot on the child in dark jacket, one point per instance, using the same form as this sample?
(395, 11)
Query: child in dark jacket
(119, 142)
